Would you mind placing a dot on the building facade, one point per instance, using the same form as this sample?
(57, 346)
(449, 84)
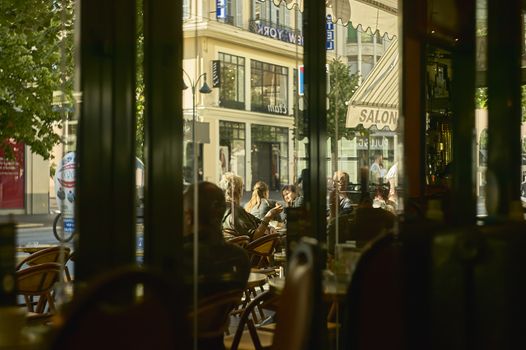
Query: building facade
(252, 54)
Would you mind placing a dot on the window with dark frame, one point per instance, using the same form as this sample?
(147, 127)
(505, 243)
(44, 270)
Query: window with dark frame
(232, 91)
(269, 88)
(232, 147)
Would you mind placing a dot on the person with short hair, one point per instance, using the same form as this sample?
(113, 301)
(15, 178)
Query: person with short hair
(222, 267)
(216, 258)
(292, 196)
(377, 169)
(339, 200)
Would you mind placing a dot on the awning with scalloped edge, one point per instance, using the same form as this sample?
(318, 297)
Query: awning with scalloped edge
(375, 102)
(370, 15)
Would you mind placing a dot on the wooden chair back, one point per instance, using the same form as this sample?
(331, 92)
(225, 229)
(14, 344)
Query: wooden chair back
(261, 250)
(241, 241)
(212, 316)
(247, 335)
(51, 254)
(38, 281)
(126, 308)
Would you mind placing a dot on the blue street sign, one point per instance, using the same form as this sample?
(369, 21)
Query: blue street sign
(220, 9)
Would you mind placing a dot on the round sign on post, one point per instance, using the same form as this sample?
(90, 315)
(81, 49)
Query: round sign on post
(65, 190)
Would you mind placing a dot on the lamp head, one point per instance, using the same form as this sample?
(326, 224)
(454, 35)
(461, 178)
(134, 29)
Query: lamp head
(205, 89)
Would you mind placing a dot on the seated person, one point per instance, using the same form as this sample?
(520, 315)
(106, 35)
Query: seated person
(291, 196)
(216, 257)
(235, 218)
(362, 225)
(340, 192)
(260, 204)
(222, 267)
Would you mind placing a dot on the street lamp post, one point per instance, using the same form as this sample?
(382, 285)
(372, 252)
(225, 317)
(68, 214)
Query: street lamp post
(204, 89)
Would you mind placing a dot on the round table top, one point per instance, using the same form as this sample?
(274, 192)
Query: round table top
(33, 248)
(331, 288)
(255, 279)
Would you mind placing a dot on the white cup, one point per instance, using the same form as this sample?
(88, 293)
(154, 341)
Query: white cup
(12, 320)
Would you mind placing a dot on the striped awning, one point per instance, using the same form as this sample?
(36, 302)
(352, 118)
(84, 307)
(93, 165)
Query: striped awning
(375, 102)
(370, 15)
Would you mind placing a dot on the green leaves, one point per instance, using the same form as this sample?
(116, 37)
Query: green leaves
(342, 87)
(35, 36)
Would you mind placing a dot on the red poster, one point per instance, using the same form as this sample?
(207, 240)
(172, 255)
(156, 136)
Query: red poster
(12, 179)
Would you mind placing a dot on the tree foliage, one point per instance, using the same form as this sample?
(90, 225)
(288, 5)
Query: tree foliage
(32, 66)
(342, 87)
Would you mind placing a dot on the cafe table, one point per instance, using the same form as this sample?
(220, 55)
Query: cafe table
(30, 249)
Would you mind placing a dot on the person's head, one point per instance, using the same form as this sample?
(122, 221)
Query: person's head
(211, 207)
(341, 180)
(232, 185)
(378, 158)
(260, 189)
(289, 193)
(259, 192)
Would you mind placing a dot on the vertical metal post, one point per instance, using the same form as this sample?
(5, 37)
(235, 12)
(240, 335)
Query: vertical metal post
(314, 27)
(163, 55)
(463, 207)
(105, 213)
(504, 105)
(412, 99)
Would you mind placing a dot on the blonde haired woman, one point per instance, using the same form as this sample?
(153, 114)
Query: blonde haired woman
(237, 219)
(259, 204)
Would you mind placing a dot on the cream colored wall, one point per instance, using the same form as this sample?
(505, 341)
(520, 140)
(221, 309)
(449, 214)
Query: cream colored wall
(37, 184)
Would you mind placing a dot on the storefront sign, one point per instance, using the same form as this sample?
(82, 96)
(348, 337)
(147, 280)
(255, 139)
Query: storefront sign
(277, 109)
(377, 143)
(65, 190)
(12, 179)
(301, 79)
(330, 33)
(277, 33)
(216, 73)
(369, 116)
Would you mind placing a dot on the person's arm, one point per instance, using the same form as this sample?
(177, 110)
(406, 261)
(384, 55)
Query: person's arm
(260, 230)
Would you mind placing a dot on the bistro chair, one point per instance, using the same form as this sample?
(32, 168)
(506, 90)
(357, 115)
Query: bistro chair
(241, 241)
(247, 336)
(125, 308)
(51, 254)
(261, 250)
(293, 305)
(37, 282)
(213, 316)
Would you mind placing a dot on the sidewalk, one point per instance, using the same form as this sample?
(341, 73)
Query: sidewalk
(32, 221)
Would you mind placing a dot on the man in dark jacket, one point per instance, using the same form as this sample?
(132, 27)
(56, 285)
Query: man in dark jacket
(221, 266)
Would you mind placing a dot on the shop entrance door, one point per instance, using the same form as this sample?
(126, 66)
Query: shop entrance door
(265, 164)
